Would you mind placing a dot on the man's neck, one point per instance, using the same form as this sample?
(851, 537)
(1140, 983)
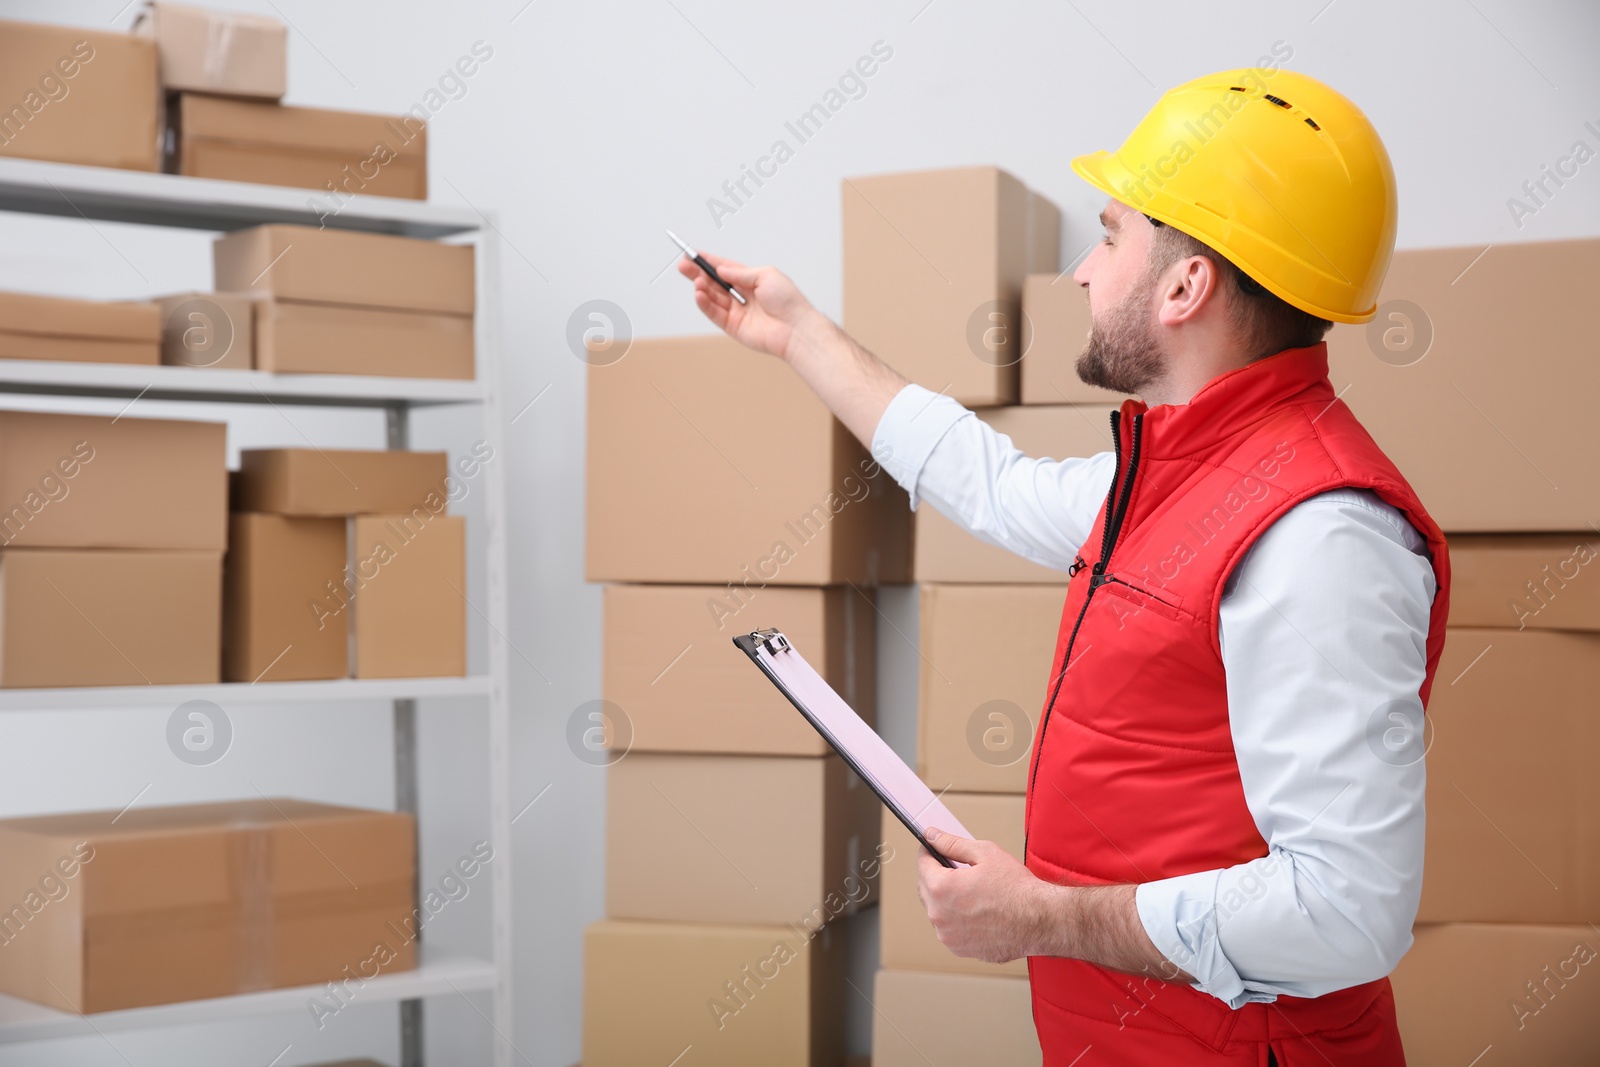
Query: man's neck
(1188, 372)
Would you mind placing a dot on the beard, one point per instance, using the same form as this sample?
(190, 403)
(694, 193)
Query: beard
(1123, 353)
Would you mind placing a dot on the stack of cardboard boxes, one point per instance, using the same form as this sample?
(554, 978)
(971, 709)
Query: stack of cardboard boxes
(195, 91)
(198, 89)
(111, 542)
(223, 73)
(290, 299)
(948, 276)
(343, 564)
(337, 302)
(722, 498)
(1476, 379)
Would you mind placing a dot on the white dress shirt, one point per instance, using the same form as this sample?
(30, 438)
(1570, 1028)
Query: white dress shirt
(1323, 623)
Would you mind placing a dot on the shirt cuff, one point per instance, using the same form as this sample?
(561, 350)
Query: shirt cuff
(911, 427)
(1180, 916)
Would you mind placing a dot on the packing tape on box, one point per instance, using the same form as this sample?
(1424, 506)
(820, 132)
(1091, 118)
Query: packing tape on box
(250, 882)
(261, 910)
(219, 49)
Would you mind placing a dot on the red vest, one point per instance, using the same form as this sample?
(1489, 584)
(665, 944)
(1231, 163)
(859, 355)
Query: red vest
(1134, 776)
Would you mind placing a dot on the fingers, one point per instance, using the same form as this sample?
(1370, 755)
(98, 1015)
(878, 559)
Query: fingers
(691, 270)
(961, 849)
(732, 270)
(717, 313)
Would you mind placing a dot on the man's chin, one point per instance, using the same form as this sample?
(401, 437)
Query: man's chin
(1093, 371)
(1093, 368)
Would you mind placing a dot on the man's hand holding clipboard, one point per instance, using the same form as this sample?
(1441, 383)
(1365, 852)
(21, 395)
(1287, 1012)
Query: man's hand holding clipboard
(987, 894)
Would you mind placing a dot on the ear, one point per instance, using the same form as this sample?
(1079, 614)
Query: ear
(1186, 289)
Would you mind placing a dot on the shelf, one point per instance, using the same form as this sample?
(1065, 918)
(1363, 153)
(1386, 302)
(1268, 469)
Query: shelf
(437, 975)
(109, 195)
(230, 694)
(128, 381)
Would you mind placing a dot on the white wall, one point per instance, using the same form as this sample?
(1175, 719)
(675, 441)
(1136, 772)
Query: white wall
(595, 125)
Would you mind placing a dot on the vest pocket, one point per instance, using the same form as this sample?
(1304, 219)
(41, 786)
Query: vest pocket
(1167, 603)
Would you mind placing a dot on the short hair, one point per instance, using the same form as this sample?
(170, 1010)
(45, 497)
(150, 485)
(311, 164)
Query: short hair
(1266, 324)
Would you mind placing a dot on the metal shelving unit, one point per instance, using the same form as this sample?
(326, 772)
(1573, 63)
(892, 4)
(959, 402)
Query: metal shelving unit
(165, 200)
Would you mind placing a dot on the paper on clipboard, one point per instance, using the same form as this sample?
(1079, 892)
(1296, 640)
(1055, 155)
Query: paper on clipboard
(869, 755)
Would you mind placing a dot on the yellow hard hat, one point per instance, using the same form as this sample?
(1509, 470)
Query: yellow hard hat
(1276, 171)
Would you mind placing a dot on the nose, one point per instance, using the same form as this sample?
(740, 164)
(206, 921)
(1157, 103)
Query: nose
(1086, 269)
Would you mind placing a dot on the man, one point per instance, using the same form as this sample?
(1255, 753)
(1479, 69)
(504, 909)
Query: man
(1224, 838)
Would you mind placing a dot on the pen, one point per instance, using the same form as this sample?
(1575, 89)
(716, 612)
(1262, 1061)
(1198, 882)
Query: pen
(711, 271)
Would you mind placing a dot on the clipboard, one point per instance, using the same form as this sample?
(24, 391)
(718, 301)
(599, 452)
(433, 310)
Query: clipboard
(869, 755)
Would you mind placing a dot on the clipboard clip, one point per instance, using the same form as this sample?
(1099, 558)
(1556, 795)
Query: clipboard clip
(771, 640)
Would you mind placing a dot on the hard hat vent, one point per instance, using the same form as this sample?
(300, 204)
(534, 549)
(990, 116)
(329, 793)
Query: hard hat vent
(1280, 101)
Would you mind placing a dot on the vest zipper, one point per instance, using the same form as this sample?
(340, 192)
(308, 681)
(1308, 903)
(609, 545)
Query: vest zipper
(1117, 498)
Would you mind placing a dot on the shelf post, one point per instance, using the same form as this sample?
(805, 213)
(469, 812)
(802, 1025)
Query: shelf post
(397, 429)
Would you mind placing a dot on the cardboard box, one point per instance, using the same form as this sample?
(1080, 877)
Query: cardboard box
(1525, 581)
(409, 574)
(982, 678)
(329, 481)
(740, 839)
(109, 617)
(1513, 804)
(71, 95)
(337, 153)
(740, 995)
(211, 51)
(746, 480)
(92, 481)
(1055, 328)
(948, 1020)
(299, 338)
(946, 553)
(907, 941)
(78, 331)
(375, 270)
(108, 910)
(208, 330)
(1526, 991)
(277, 575)
(933, 268)
(1475, 380)
(670, 664)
